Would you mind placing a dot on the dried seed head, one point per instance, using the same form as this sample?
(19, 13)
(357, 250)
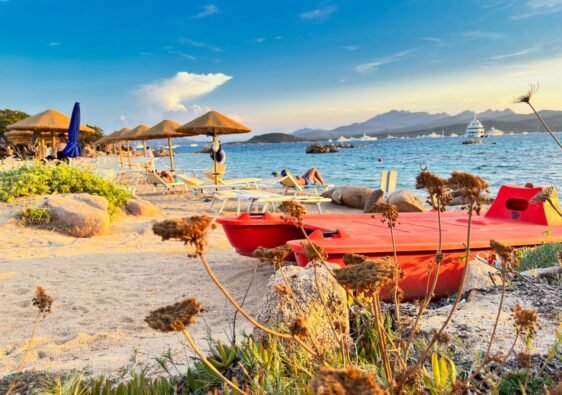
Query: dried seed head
(547, 194)
(282, 289)
(275, 256)
(524, 360)
(192, 231)
(389, 213)
(526, 320)
(437, 189)
(442, 338)
(507, 254)
(353, 259)
(175, 317)
(498, 357)
(314, 253)
(347, 381)
(294, 210)
(368, 277)
(526, 98)
(298, 328)
(42, 301)
(472, 188)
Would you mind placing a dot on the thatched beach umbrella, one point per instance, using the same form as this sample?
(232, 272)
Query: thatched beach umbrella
(50, 122)
(114, 138)
(19, 137)
(212, 124)
(135, 135)
(163, 130)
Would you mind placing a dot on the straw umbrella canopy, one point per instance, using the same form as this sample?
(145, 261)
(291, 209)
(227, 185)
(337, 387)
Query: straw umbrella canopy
(212, 124)
(163, 130)
(134, 135)
(19, 137)
(49, 122)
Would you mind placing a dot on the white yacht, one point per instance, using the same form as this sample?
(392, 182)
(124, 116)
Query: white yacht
(342, 139)
(194, 145)
(474, 132)
(367, 138)
(453, 135)
(434, 135)
(390, 137)
(330, 141)
(494, 132)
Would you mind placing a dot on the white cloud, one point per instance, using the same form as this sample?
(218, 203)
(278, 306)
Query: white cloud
(435, 40)
(318, 14)
(484, 35)
(278, 38)
(183, 55)
(168, 94)
(351, 47)
(208, 10)
(259, 40)
(515, 54)
(365, 68)
(539, 7)
(52, 44)
(198, 44)
(123, 119)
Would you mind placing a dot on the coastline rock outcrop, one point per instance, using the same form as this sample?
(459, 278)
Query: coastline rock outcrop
(406, 202)
(278, 310)
(141, 208)
(79, 215)
(321, 149)
(350, 196)
(373, 198)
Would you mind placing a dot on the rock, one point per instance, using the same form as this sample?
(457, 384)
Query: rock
(321, 149)
(481, 276)
(337, 195)
(327, 194)
(374, 198)
(139, 207)
(278, 311)
(95, 201)
(355, 197)
(555, 270)
(406, 202)
(77, 218)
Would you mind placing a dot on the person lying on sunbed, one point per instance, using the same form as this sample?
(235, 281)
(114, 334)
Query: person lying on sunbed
(312, 176)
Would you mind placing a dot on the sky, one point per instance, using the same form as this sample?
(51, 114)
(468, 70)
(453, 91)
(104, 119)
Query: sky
(273, 65)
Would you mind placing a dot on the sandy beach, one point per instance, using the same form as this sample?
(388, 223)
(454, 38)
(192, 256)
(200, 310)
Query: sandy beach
(103, 287)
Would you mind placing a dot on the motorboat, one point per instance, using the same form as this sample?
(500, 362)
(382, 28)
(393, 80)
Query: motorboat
(513, 219)
(474, 132)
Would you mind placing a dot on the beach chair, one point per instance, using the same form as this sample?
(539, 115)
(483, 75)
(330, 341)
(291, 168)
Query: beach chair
(291, 185)
(388, 181)
(199, 185)
(157, 181)
(257, 198)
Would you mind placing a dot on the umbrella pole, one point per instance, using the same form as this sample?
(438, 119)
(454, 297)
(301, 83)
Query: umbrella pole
(120, 153)
(128, 154)
(171, 154)
(215, 174)
(144, 147)
(53, 152)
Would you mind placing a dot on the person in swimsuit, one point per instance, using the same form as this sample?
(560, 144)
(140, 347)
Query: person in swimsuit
(312, 176)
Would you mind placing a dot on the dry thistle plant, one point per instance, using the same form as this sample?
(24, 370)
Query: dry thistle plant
(508, 256)
(298, 328)
(176, 317)
(389, 213)
(276, 256)
(192, 231)
(368, 277)
(348, 381)
(547, 195)
(293, 210)
(353, 259)
(526, 321)
(42, 301)
(314, 253)
(436, 187)
(472, 188)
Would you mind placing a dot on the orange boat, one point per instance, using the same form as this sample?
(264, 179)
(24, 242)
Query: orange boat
(512, 219)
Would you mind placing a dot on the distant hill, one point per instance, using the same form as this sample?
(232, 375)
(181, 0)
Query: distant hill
(410, 123)
(275, 138)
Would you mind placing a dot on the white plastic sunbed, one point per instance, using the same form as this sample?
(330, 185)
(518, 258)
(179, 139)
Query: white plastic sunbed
(263, 198)
(156, 181)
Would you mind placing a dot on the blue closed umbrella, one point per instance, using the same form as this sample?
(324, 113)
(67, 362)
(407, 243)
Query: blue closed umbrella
(72, 149)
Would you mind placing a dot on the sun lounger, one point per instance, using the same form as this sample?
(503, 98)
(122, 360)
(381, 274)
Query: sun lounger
(197, 184)
(291, 184)
(256, 198)
(388, 181)
(156, 181)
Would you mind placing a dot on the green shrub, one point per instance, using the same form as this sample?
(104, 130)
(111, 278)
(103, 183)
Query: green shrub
(35, 216)
(545, 255)
(514, 382)
(44, 179)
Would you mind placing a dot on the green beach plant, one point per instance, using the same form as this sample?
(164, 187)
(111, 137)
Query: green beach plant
(35, 216)
(42, 179)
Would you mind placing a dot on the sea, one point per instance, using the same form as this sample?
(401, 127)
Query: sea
(509, 159)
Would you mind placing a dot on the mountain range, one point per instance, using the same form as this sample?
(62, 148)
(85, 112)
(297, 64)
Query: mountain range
(411, 123)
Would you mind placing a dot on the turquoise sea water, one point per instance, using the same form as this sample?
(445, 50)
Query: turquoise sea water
(512, 159)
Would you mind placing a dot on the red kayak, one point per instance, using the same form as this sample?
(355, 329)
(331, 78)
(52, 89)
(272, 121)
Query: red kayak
(512, 219)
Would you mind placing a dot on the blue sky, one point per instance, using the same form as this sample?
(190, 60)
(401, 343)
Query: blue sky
(276, 65)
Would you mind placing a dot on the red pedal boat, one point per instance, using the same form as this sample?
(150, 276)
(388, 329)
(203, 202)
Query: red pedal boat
(512, 219)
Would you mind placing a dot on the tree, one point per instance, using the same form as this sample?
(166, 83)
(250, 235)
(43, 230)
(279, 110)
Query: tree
(90, 138)
(8, 117)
